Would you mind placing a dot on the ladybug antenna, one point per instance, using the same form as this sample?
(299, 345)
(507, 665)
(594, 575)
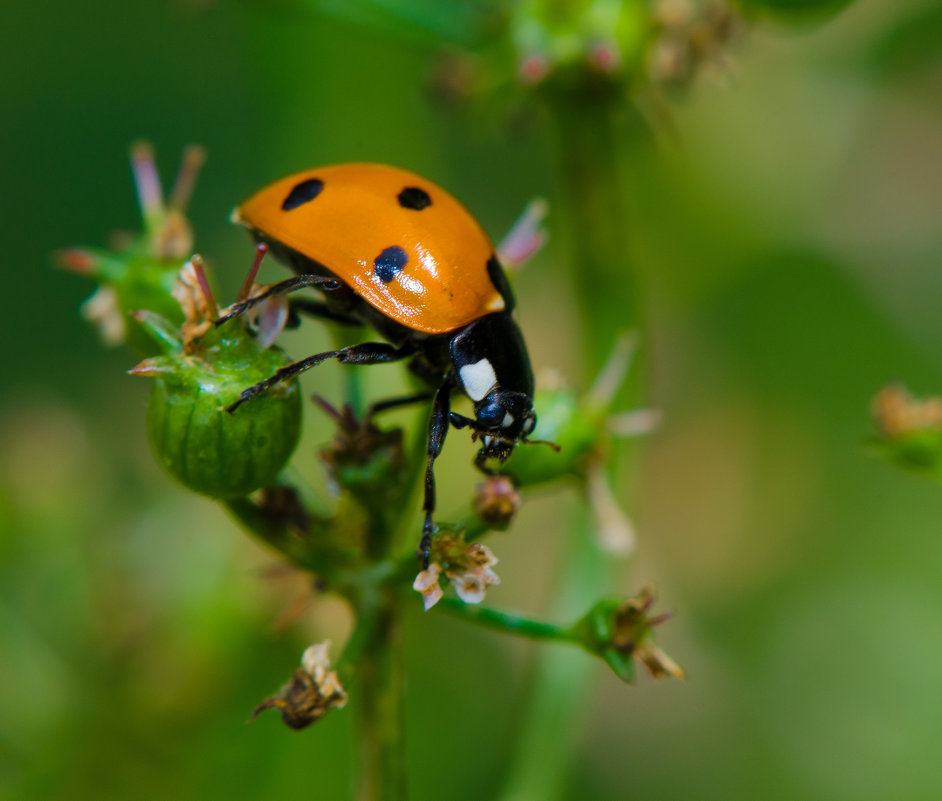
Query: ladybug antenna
(147, 183)
(199, 269)
(552, 445)
(260, 250)
(193, 159)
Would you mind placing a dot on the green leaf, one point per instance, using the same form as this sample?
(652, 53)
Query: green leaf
(814, 11)
(911, 46)
(621, 663)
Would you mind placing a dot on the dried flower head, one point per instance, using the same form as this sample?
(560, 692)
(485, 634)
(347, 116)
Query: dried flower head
(620, 631)
(631, 634)
(314, 690)
(193, 294)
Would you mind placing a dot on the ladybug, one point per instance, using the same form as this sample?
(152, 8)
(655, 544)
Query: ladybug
(394, 251)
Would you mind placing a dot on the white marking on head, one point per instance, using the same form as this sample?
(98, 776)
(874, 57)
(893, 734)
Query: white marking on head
(488, 441)
(508, 420)
(529, 424)
(478, 379)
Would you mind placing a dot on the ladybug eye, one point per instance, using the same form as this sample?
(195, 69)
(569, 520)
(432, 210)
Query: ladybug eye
(490, 415)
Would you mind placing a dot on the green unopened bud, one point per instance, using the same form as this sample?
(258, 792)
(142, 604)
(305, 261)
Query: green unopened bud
(565, 421)
(580, 425)
(141, 270)
(202, 370)
(567, 45)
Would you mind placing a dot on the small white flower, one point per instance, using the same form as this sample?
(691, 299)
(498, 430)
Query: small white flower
(472, 579)
(427, 584)
(468, 566)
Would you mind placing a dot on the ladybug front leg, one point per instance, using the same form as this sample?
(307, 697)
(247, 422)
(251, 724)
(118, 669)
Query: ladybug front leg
(437, 429)
(367, 353)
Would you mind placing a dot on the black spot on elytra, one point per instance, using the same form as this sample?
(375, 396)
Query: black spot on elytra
(414, 198)
(302, 193)
(496, 273)
(388, 264)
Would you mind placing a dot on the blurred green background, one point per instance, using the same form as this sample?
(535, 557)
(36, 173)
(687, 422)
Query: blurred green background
(789, 236)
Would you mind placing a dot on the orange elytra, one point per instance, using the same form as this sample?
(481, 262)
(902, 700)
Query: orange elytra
(402, 243)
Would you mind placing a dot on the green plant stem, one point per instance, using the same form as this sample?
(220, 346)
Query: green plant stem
(352, 378)
(561, 683)
(591, 132)
(376, 650)
(508, 623)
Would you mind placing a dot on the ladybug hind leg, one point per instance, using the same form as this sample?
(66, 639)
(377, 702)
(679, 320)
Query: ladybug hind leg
(318, 309)
(397, 403)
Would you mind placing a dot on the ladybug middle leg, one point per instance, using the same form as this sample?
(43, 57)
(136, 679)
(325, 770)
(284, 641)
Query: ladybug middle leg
(367, 353)
(320, 310)
(397, 403)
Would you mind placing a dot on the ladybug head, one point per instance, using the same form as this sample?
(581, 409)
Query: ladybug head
(503, 417)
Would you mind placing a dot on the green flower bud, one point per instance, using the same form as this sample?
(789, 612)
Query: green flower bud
(564, 420)
(141, 271)
(580, 425)
(205, 448)
(203, 370)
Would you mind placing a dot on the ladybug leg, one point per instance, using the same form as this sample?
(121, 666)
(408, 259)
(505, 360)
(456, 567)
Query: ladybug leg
(493, 451)
(437, 429)
(367, 353)
(460, 421)
(281, 288)
(318, 309)
(480, 462)
(395, 403)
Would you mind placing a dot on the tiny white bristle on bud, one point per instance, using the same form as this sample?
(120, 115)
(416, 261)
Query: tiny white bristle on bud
(193, 159)
(615, 532)
(635, 423)
(147, 182)
(525, 237)
(614, 371)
